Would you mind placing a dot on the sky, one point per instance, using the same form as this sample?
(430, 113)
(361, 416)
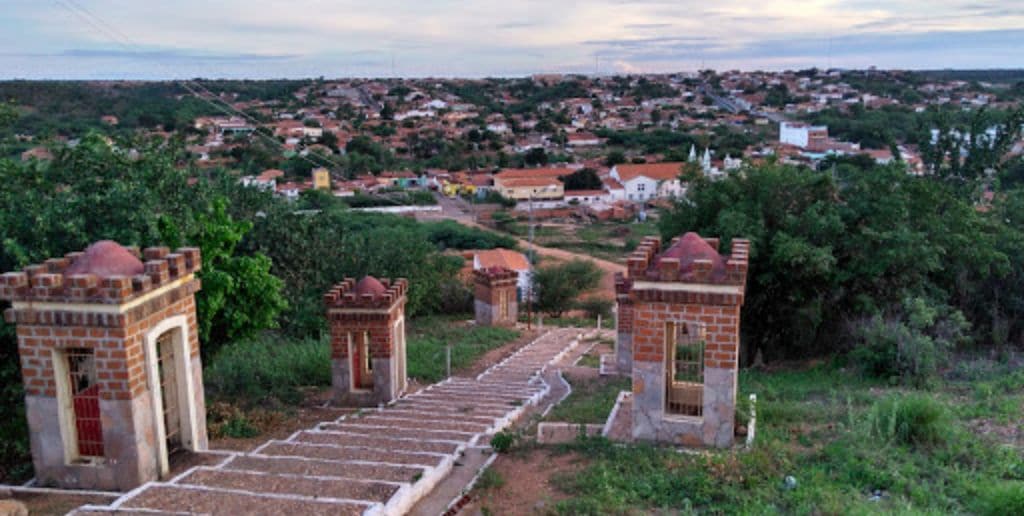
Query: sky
(168, 39)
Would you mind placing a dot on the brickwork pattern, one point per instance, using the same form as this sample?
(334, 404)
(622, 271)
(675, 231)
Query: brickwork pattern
(117, 338)
(705, 289)
(110, 316)
(491, 287)
(370, 316)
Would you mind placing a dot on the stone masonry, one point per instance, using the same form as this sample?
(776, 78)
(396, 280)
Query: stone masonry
(495, 296)
(687, 284)
(368, 357)
(107, 305)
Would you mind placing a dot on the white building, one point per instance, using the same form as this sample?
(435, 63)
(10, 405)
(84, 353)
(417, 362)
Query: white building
(802, 135)
(647, 181)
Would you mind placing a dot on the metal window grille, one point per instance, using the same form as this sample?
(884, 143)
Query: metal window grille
(85, 399)
(684, 368)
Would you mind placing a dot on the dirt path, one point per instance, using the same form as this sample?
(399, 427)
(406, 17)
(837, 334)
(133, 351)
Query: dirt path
(452, 210)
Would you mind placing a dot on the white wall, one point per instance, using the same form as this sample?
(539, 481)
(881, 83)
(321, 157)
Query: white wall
(793, 135)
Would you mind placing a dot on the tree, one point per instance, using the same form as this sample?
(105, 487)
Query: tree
(582, 179)
(536, 156)
(615, 157)
(240, 296)
(826, 251)
(558, 286)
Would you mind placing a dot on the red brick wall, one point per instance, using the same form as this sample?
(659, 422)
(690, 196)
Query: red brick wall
(721, 323)
(625, 317)
(117, 341)
(378, 325)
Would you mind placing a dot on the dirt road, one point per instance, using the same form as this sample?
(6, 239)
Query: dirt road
(457, 210)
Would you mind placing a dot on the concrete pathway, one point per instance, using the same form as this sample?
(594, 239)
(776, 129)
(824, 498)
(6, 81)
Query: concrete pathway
(376, 461)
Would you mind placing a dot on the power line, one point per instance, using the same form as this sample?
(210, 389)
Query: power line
(127, 44)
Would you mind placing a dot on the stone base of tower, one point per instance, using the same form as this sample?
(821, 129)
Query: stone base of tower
(130, 458)
(384, 390)
(488, 314)
(624, 353)
(714, 428)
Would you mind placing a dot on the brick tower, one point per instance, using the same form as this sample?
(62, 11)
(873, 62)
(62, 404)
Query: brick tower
(686, 303)
(495, 290)
(367, 340)
(110, 363)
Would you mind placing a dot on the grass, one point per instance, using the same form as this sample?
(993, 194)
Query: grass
(854, 447)
(590, 360)
(427, 338)
(605, 240)
(591, 400)
(259, 369)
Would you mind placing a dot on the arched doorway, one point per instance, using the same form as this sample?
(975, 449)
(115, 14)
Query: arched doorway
(169, 361)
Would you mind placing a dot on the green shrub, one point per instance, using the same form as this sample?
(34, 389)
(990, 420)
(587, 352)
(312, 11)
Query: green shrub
(449, 234)
(914, 419)
(239, 428)
(268, 367)
(596, 306)
(911, 347)
(1001, 498)
(502, 441)
(427, 338)
(490, 479)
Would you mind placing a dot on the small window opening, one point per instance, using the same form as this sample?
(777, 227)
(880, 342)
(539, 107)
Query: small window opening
(684, 368)
(85, 399)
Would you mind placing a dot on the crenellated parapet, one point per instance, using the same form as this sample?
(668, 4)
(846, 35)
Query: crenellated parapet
(347, 295)
(55, 280)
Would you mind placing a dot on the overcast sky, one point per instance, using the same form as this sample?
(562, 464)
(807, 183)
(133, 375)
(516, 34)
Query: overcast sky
(160, 39)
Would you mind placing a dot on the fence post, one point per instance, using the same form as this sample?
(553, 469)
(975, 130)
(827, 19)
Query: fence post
(599, 322)
(448, 360)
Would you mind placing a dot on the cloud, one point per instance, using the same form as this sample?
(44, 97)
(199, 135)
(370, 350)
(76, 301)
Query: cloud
(176, 55)
(644, 26)
(517, 25)
(499, 37)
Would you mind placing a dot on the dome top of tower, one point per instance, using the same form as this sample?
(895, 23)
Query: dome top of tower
(105, 259)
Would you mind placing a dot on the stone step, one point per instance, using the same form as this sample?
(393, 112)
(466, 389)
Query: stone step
(463, 399)
(342, 453)
(313, 487)
(412, 433)
(325, 468)
(412, 412)
(422, 404)
(421, 422)
(380, 442)
(486, 389)
(483, 395)
(182, 499)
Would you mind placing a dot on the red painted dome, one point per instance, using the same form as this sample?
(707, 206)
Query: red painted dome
(106, 258)
(370, 285)
(691, 248)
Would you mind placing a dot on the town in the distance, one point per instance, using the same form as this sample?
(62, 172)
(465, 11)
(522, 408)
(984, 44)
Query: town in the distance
(623, 139)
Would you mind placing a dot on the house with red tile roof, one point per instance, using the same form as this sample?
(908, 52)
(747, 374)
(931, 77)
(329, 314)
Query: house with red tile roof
(645, 181)
(512, 260)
